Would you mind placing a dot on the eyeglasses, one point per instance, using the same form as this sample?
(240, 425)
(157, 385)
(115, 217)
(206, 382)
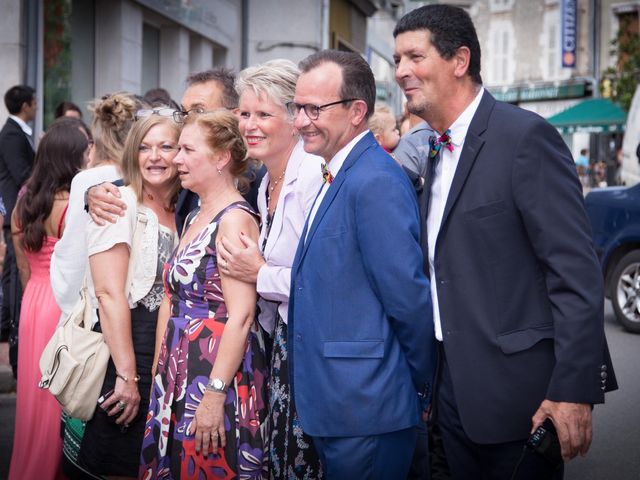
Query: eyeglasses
(179, 116)
(313, 111)
(163, 112)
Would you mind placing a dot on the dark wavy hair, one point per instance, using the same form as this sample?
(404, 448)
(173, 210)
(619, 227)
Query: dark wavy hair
(59, 157)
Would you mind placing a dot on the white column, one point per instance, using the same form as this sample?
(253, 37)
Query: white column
(10, 50)
(174, 59)
(118, 46)
(201, 54)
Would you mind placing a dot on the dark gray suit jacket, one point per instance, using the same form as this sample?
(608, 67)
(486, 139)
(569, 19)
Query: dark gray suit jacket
(16, 163)
(519, 286)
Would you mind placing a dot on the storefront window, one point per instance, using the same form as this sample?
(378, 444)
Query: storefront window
(68, 54)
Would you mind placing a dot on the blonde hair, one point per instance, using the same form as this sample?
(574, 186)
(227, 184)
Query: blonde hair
(377, 120)
(221, 133)
(131, 173)
(276, 79)
(113, 116)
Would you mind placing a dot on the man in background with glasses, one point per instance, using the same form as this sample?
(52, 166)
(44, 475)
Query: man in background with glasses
(360, 330)
(206, 91)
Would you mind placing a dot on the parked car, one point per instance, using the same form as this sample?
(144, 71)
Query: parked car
(615, 219)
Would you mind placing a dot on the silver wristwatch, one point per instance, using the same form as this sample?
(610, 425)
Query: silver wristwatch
(217, 385)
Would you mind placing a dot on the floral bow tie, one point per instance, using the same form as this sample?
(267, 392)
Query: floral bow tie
(327, 177)
(435, 144)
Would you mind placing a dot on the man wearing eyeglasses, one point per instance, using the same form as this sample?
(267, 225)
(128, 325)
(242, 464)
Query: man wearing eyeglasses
(206, 91)
(360, 332)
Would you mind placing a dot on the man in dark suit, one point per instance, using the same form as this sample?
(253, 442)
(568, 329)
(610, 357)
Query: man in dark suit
(360, 331)
(516, 286)
(16, 162)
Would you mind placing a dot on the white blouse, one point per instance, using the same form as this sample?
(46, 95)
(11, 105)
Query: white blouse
(301, 184)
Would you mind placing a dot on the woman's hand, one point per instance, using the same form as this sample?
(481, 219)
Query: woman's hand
(208, 423)
(240, 262)
(127, 394)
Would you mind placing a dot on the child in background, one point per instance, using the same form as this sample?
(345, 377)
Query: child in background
(384, 128)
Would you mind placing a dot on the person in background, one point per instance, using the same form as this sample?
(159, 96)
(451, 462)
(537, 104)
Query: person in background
(382, 124)
(285, 197)
(126, 285)
(516, 285)
(68, 109)
(206, 418)
(113, 117)
(37, 224)
(16, 162)
(159, 97)
(582, 166)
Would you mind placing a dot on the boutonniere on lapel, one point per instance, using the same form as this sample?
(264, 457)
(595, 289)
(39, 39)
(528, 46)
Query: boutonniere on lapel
(327, 177)
(435, 144)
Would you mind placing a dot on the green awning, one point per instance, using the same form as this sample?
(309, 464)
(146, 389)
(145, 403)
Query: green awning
(596, 115)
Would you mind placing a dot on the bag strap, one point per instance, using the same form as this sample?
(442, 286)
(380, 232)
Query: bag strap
(138, 231)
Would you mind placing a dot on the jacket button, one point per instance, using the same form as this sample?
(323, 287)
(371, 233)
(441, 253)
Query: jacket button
(603, 368)
(298, 337)
(603, 375)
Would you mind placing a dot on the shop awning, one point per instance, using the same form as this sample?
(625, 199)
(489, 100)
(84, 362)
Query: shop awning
(596, 115)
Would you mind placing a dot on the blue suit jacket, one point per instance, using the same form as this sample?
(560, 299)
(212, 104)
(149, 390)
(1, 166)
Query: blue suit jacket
(360, 333)
(519, 285)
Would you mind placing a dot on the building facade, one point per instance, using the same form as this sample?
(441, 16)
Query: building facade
(82, 49)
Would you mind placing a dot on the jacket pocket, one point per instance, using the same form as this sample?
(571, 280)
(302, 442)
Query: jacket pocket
(330, 232)
(520, 340)
(361, 349)
(488, 209)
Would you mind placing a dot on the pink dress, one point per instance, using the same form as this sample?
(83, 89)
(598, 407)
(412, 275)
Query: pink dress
(37, 445)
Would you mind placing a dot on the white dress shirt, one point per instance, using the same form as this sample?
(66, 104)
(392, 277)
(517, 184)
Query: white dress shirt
(442, 180)
(335, 164)
(302, 180)
(23, 125)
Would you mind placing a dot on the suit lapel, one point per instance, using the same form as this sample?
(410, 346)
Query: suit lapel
(473, 143)
(356, 152)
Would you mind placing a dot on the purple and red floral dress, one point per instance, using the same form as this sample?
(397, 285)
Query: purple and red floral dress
(187, 355)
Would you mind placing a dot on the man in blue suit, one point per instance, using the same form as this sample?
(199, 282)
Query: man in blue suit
(360, 328)
(516, 286)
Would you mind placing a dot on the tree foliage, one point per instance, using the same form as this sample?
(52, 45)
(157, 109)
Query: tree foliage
(619, 83)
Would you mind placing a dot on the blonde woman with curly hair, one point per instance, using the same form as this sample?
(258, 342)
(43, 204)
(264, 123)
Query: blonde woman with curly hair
(207, 410)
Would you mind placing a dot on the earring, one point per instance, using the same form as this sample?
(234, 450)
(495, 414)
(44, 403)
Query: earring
(219, 172)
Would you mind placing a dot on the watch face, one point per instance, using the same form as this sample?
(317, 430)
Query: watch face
(217, 384)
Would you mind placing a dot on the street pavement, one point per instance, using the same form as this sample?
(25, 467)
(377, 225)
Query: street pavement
(614, 451)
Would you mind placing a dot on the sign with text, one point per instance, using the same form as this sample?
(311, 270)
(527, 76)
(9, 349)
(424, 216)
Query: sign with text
(569, 39)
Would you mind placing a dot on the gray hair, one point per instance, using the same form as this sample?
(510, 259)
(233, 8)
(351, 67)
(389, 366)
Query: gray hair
(276, 79)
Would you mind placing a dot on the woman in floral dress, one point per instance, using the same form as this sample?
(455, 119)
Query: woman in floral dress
(207, 410)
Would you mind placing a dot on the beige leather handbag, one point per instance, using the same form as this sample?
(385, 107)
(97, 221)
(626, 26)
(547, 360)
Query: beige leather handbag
(74, 362)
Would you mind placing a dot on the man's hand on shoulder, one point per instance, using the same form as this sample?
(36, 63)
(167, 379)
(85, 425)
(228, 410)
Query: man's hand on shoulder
(572, 422)
(103, 203)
